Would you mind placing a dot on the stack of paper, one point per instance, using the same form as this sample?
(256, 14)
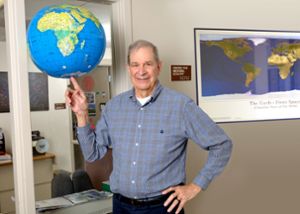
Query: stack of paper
(52, 204)
(5, 157)
(88, 195)
(71, 199)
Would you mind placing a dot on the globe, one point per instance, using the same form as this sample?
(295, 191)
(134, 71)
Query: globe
(65, 40)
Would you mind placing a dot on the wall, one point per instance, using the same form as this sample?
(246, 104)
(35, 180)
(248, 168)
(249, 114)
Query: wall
(263, 175)
(54, 125)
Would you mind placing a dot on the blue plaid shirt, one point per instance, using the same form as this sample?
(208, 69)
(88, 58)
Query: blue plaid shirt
(149, 142)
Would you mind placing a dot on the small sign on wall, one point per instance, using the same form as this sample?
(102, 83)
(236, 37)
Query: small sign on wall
(181, 72)
(59, 106)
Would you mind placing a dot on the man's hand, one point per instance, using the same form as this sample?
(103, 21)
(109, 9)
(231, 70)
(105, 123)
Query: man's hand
(180, 195)
(76, 100)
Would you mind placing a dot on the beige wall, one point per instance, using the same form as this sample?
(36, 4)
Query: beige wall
(53, 124)
(263, 174)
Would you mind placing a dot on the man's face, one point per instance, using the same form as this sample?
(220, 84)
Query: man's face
(144, 71)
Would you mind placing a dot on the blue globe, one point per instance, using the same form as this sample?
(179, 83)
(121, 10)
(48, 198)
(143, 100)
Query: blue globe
(65, 40)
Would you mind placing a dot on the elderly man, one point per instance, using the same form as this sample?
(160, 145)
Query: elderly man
(148, 128)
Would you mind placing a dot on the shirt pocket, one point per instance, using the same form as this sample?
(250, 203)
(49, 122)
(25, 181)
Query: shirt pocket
(167, 134)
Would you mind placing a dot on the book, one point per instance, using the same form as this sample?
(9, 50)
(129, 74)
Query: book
(71, 199)
(105, 186)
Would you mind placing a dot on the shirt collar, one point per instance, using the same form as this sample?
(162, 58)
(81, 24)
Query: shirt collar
(157, 90)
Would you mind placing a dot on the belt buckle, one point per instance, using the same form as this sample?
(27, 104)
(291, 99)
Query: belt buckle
(133, 202)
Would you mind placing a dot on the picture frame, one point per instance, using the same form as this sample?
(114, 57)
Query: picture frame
(4, 95)
(247, 75)
(91, 100)
(38, 91)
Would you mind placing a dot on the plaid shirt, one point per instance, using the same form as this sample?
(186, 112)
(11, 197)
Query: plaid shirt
(149, 142)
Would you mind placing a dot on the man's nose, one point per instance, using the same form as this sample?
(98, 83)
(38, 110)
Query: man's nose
(142, 70)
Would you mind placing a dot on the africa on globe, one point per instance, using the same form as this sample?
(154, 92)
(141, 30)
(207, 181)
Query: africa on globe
(65, 40)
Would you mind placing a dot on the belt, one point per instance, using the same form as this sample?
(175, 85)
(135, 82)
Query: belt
(142, 202)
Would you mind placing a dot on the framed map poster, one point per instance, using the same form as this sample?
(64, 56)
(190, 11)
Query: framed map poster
(248, 75)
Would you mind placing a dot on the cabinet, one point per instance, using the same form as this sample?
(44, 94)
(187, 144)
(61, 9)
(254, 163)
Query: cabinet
(43, 173)
(96, 86)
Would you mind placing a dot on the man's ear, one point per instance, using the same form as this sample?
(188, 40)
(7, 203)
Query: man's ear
(159, 66)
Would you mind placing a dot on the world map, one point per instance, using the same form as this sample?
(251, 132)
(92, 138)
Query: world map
(66, 26)
(249, 65)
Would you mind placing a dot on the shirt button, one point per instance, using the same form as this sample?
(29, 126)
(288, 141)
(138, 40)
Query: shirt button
(139, 126)
(142, 109)
(133, 181)
(133, 162)
(136, 144)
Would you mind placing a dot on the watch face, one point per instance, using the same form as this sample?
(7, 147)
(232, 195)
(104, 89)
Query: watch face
(42, 146)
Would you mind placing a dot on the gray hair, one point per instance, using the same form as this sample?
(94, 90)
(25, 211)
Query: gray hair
(142, 44)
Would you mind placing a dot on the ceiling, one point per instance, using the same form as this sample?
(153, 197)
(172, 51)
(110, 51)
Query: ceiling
(101, 1)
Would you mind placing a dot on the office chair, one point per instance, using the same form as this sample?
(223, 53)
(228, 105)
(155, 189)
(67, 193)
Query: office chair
(81, 181)
(61, 184)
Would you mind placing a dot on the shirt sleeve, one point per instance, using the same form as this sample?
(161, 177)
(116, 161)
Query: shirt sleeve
(208, 135)
(94, 143)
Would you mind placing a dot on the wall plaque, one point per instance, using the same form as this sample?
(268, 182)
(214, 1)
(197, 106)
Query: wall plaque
(181, 72)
